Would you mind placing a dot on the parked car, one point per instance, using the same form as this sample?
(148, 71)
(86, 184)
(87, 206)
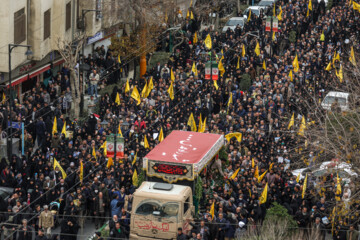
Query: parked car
(330, 167)
(233, 22)
(254, 10)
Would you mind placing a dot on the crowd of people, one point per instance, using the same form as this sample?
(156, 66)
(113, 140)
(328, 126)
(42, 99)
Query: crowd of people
(263, 98)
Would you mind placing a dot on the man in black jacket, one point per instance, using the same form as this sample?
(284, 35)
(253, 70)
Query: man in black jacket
(118, 232)
(24, 232)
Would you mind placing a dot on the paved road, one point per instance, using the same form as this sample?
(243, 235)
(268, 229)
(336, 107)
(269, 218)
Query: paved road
(83, 234)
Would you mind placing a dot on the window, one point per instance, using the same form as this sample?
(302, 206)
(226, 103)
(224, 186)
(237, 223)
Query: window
(47, 24)
(19, 26)
(68, 16)
(147, 208)
(186, 205)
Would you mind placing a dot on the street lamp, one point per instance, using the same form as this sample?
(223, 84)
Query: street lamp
(9, 137)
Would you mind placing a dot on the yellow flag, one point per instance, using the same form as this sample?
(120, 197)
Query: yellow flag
(307, 12)
(302, 127)
(295, 64)
(230, 101)
(110, 162)
(200, 124)
(63, 131)
(298, 178)
(195, 39)
(134, 161)
(81, 175)
(252, 163)
(203, 126)
(146, 143)
(243, 52)
(233, 176)
(93, 153)
(208, 42)
(192, 16)
(257, 49)
(310, 5)
(328, 67)
(333, 220)
(256, 173)
(338, 187)
(351, 59)
(336, 57)
(340, 74)
(119, 131)
(212, 210)
(135, 95)
(273, 36)
(215, 84)
(135, 178)
(274, 10)
(3, 98)
(271, 166)
(221, 68)
(262, 176)
(56, 164)
(127, 86)
(238, 63)
(143, 92)
(235, 134)
(191, 122)
(150, 87)
(161, 135)
(263, 196)
(172, 76)
(279, 16)
(171, 91)
(322, 36)
(304, 187)
(291, 123)
(187, 14)
(356, 6)
(291, 76)
(249, 17)
(194, 69)
(54, 129)
(103, 146)
(264, 65)
(119, 60)
(117, 99)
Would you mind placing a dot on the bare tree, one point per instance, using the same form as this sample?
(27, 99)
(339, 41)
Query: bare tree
(70, 50)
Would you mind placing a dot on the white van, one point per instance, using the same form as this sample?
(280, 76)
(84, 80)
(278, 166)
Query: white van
(331, 97)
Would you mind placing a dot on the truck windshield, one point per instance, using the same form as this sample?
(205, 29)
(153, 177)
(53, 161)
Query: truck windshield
(165, 209)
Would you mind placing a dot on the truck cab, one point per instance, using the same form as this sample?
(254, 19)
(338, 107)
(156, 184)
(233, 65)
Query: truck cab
(159, 209)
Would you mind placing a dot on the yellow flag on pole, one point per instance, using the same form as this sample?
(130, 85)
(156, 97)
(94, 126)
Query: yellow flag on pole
(257, 49)
(291, 76)
(57, 165)
(310, 5)
(262, 176)
(235, 134)
(191, 122)
(302, 127)
(340, 74)
(119, 59)
(63, 130)
(322, 36)
(150, 87)
(127, 86)
(304, 187)
(233, 176)
(134, 161)
(117, 99)
(194, 69)
(143, 92)
(338, 188)
(215, 84)
(103, 146)
(161, 135)
(249, 17)
(3, 98)
(252, 163)
(172, 76)
(328, 67)
(203, 126)
(279, 16)
(230, 101)
(208, 42)
(135, 95)
(263, 197)
(256, 173)
(271, 166)
(292, 120)
(135, 178)
(93, 152)
(195, 38)
(81, 175)
(238, 63)
(110, 162)
(212, 210)
(274, 10)
(352, 56)
(336, 57)
(119, 130)
(264, 65)
(200, 124)
(54, 128)
(221, 68)
(191, 15)
(171, 91)
(146, 143)
(295, 64)
(243, 51)
(298, 178)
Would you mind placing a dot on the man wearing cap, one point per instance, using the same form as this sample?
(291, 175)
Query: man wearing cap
(46, 221)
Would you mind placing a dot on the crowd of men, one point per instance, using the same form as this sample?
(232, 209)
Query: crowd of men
(263, 101)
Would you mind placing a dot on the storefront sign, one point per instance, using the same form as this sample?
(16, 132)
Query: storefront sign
(95, 38)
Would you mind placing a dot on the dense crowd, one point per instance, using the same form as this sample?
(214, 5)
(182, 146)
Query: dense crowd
(263, 101)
